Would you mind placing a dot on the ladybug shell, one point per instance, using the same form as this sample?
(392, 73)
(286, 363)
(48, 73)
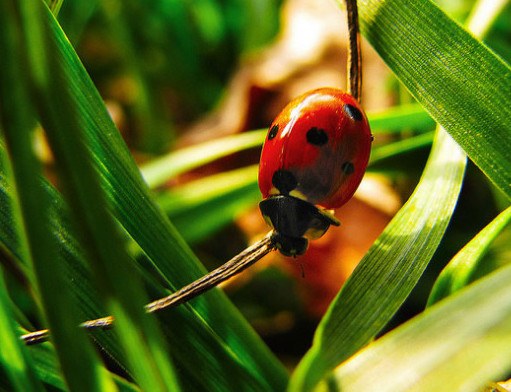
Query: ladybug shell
(317, 149)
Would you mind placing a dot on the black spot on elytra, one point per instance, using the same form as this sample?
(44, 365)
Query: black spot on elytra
(273, 132)
(348, 168)
(284, 181)
(317, 136)
(353, 112)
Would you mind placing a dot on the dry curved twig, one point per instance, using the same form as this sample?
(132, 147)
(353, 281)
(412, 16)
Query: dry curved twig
(232, 267)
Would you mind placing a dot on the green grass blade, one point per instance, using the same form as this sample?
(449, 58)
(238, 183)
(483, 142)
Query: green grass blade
(397, 118)
(215, 326)
(111, 267)
(13, 356)
(72, 259)
(47, 366)
(215, 201)
(463, 85)
(160, 170)
(71, 255)
(401, 146)
(18, 124)
(48, 371)
(461, 269)
(459, 344)
(390, 269)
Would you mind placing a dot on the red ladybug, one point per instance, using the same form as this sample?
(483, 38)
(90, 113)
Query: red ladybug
(313, 159)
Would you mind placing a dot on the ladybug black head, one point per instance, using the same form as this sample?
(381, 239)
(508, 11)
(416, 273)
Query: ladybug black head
(293, 219)
(289, 246)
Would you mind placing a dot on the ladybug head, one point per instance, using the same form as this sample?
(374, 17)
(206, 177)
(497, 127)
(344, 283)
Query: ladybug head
(294, 219)
(289, 246)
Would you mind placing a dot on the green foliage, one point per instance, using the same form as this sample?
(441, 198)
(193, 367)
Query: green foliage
(467, 94)
(98, 241)
(456, 345)
(463, 268)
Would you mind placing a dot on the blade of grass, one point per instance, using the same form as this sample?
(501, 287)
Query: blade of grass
(212, 325)
(48, 371)
(388, 272)
(110, 265)
(13, 356)
(11, 244)
(160, 170)
(13, 256)
(460, 344)
(215, 201)
(72, 256)
(18, 124)
(458, 80)
(54, 6)
(461, 269)
(401, 146)
(411, 116)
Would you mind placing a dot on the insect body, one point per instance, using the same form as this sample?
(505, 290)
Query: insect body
(313, 159)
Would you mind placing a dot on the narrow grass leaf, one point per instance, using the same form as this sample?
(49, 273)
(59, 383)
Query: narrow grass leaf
(48, 370)
(391, 268)
(463, 85)
(459, 344)
(397, 118)
(401, 146)
(72, 260)
(215, 201)
(144, 346)
(461, 269)
(9, 226)
(23, 32)
(210, 332)
(14, 359)
(160, 170)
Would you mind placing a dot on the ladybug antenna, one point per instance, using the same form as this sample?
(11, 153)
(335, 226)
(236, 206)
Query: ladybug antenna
(354, 52)
(237, 264)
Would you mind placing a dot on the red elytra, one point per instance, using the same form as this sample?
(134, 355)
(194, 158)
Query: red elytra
(317, 149)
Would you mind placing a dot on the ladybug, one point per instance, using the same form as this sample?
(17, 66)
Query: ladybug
(313, 160)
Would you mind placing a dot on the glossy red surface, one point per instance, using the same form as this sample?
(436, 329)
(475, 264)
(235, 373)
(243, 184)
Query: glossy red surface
(322, 171)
